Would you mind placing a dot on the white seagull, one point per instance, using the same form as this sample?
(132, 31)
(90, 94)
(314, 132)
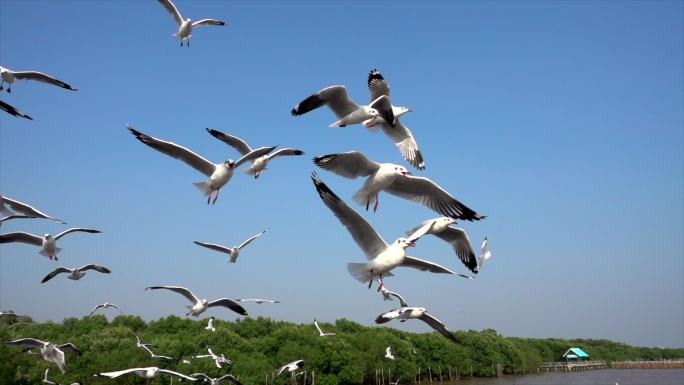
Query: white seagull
(185, 26)
(141, 345)
(320, 332)
(150, 372)
(291, 367)
(348, 112)
(233, 252)
(218, 360)
(406, 312)
(258, 301)
(210, 325)
(76, 273)
(104, 306)
(382, 257)
(395, 180)
(14, 111)
(152, 354)
(217, 380)
(485, 254)
(200, 305)
(22, 208)
(47, 381)
(456, 237)
(49, 351)
(47, 242)
(400, 134)
(260, 163)
(219, 173)
(388, 353)
(8, 76)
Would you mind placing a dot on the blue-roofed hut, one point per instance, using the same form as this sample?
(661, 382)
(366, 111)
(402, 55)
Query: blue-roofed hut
(575, 354)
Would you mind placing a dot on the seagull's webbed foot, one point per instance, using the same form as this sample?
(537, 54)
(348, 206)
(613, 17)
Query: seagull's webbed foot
(381, 285)
(375, 206)
(209, 199)
(215, 197)
(370, 283)
(9, 90)
(367, 202)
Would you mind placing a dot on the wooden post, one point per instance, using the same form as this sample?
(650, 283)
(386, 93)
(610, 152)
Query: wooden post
(389, 375)
(313, 378)
(440, 372)
(419, 374)
(382, 373)
(430, 373)
(450, 378)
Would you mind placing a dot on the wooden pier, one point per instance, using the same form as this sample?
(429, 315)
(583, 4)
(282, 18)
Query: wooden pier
(663, 364)
(572, 366)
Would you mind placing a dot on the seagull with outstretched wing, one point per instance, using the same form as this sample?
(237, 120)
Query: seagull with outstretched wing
(200, 305)
(47, 242)
(233, 252)
(8, 76)
(185, 26)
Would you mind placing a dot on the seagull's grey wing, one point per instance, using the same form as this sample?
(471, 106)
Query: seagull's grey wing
(284, 152)
(377, 85)
(26, 209)
(350, 164)
(41, 77)
(485, 254)
(15, 216)
(419, 231)
(317, 327)
(206, 378)
(336, 97)
(233, 141)
(13, 110)
(208, 22)
(428, 193)
(247, 242)
(54, 272)
(252, 155)
(95, 309)
(361, 231)
(437, 325)
(230, 304)
(117, 308)
(420, 227)
(175, 151)
(99, 268)
(400, 298)
(76, 229)
(387, 316)
(71, 347)
(404, 140)
(214, 246)
(21, 236)
(432, 267)
(171, 8)
(31, 342)
(121, 372)
(458, 239)
(230, 378)
(178, 289)
(384, 106)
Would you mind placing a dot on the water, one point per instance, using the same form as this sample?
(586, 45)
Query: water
(591, 377)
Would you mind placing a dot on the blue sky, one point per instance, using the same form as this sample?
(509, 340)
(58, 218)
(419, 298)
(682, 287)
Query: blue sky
(562, 121)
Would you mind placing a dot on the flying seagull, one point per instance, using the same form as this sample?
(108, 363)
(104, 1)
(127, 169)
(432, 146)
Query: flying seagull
(217, 380)
(260, 163)
(46, 380)
(406, 312)
(320, 332)
(47, 242)
(150, 372)
(200, 305)
(210, 325)
(141, 345)
(485, 254)
(218, 360)
(291, 367)
(152, 354)
(8, 76)
(76, 273)
(348, 112)
(382, 257)
(185, 26)
(104, 306)
(456, 237)
(22, 208)
(258, 301)
(49, 351)
(233, 252)
(400, 134)
(219, 173)
(395, 180)
(388, 353)
(13, 110)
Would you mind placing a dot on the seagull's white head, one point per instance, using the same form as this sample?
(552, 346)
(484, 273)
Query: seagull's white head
(401, 170)
(404, 243)
(373, 112)
(446, 220)
(229, 163)
(47, 236)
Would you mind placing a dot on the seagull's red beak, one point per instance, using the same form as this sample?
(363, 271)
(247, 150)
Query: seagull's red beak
(412, 244)
(406, 173)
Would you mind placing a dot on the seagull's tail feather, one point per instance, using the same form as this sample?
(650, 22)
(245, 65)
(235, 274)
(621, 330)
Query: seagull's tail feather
(339, 123)
(203, 187)
(250, 170)
(360, 196)
(358, 271)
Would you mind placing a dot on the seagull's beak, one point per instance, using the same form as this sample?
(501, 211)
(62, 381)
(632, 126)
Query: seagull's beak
(406, 173)
(412, 243)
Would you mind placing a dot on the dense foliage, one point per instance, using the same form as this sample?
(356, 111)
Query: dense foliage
(258, 346)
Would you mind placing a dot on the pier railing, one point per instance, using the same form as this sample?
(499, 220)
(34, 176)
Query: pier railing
(663, 364)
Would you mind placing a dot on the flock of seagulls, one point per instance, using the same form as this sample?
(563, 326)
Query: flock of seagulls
(383, 257)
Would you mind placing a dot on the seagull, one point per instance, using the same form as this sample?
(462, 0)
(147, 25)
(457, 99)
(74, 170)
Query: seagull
(258, 301)
(406, 312)
(219, 173)
(141, 345)
(210, 325)
(260, 163)
(200, 305)
(382, 257)
(387, 295)
(9, 313)
(484, 255)
(395, 180)
(217, 380)
(291, 367)
(395, 382)
(320, 332)
(348, 112)
(218, 360)
(456, 237)
(8, 76)
(400, 134)
(153, 355)
(14, 111)
(49, 351)
(233, 252)
(22, 208)
(14, 216)
(185, 26)
(105, 306)
(76, 273)
(148, 373)
(388, 353)
(47, 242)
(47, 381)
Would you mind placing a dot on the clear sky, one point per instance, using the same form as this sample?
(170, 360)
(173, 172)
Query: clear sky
(561, 121)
